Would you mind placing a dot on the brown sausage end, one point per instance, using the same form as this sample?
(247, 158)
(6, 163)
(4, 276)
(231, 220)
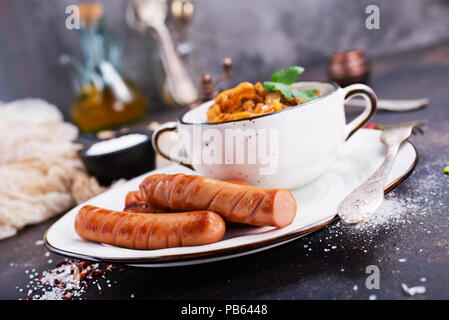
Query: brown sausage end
(133, 197)
(217, 227)
(284, 208)
(210, 225)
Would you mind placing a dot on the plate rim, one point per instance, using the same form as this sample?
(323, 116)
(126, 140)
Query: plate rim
(236, 250)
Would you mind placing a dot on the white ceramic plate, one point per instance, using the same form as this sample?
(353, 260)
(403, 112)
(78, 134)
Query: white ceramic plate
(317, 202)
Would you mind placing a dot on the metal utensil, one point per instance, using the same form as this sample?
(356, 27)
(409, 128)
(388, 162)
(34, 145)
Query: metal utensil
(367, 198)
(393, 104)
(182, 10)
(181, 14)
(151, 14)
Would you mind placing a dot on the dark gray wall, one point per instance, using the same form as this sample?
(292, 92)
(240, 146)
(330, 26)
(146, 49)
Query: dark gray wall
(260, 35)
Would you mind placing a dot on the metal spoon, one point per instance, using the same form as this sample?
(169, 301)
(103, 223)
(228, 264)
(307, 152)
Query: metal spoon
(361, 203)
(393, 105)
(151, 14)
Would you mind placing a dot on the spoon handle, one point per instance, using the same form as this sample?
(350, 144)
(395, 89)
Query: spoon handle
(178, 80)
(393, 105)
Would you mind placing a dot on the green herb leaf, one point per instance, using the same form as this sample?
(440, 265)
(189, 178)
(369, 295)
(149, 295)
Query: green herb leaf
(305, 94)
(280, 81)
(288, 76)
(288, 92)
(285, 90)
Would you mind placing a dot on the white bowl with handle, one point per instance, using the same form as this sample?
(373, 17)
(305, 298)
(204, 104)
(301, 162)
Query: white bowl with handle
(285, 149)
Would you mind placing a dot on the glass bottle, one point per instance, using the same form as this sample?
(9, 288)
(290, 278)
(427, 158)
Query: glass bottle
(104, 98)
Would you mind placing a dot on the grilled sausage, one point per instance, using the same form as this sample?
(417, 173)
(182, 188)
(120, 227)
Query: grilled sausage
(142, 207)
(239, 182)
(237, 203)
(134, 201)
(148, 231)
(133, 197)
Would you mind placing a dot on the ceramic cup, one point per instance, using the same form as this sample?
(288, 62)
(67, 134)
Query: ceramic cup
(285, 149)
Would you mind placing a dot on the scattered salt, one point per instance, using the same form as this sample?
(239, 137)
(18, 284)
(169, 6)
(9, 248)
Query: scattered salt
(413, 290)
(391, 211)
(111, 145)
(400, 209)
(67, 280)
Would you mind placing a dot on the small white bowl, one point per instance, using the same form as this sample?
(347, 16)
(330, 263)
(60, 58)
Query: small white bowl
(285, 149)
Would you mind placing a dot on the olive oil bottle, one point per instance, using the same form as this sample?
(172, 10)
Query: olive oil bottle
(104, 97)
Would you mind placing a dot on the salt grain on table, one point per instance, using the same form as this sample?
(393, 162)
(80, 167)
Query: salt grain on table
(413, 290)
(397, 209)
(67, 280)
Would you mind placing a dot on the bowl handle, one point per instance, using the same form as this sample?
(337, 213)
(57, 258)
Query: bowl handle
(167, 127)
(368, 94)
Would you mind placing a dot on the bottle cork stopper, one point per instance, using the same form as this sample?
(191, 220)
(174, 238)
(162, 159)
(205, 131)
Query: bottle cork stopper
(90, 12)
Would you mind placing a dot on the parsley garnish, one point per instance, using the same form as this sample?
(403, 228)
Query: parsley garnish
(281, 81)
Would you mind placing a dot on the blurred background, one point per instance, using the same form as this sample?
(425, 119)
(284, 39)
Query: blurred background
(260, 36)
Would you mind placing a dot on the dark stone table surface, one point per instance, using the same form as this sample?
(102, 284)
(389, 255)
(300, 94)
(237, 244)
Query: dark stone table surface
(331, 263)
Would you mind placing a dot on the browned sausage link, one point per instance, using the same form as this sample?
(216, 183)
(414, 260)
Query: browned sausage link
(142, 207)
(133, 197)
(148, 231)
(134, 201)
(239, 182)
(238, 203)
